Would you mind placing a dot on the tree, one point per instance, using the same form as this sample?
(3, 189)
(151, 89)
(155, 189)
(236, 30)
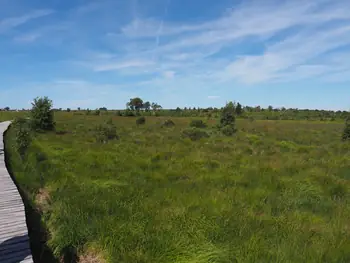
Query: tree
(68, 109)
(79, 108)
(239, 109)
(147, 106)
(155, 106)
(270, 108)
(7, 108)
(228, 120)
(42, 114)
(135, 104)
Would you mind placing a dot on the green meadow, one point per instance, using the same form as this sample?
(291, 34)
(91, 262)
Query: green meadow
(276, 191)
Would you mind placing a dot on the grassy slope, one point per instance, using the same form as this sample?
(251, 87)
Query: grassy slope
(277, 192)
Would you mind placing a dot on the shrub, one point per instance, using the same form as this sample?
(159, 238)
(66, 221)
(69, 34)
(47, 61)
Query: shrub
(88, 112)
(346, 132)
(194, 134)
(23, 135)
(140, 120)
(105, 132)
(129, 113)
(168, 123)
(227, 116)
(42, 114)
(198, 124)
(228, 130)
(97, 112)
(228, 120)
(68, 109)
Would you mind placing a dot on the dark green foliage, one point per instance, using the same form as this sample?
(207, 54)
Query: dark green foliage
(194, 134)
(228, 120)
(23, 135)
(105, 132)
(135, 104)
(129, 113)
(42, 115)
(346, 132)
(168, 123)
(198, 124)
(97, 112)
(228, 130)
(141, 120)
(239, 109)
(68, 109)
(88, 112)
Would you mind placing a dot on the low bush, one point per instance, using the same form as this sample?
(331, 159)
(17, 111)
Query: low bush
(228, 130)
(346, 132)
(141, 120)
(168, 123)
(194, 134)
(23, 135)
(198, 124)
(105, 132)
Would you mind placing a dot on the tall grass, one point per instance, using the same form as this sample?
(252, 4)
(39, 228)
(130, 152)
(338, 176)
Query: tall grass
(277, 191)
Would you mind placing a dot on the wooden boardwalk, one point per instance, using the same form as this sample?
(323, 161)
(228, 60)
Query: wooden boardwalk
(14, 241)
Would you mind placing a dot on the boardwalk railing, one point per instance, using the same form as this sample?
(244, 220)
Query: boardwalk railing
(14, 240)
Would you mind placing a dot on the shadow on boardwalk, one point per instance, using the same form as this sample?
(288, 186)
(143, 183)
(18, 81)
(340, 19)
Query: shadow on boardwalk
(15, 249)
(37, 233)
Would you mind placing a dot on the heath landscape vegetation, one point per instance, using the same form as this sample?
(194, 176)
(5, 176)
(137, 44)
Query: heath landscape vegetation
(236, 184)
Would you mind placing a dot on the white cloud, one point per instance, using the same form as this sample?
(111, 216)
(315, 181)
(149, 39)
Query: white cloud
(12, 22)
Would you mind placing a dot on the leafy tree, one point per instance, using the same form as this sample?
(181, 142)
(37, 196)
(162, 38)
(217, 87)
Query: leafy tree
(270, 108)
(135, 104)
(42, 114)
(147, 106)
(155, 106)
(79, 108)
(103, 109)
(7, 108)
(68, 109)
(239, 109)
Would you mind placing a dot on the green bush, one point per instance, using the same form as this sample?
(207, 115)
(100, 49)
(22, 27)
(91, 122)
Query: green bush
(97, 112)
(168, 123)
(105, 132)
(346, 132)
(129, 113)
(228, 130)
(194, 134)
(23, 135)
(141, 120)
(198, 124)
(42, 115)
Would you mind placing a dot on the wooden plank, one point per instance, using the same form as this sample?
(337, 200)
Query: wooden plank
(14, 240)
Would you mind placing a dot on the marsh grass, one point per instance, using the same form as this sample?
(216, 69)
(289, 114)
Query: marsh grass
(276, 191)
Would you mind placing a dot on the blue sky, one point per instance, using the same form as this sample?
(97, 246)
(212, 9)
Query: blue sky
(196, 53)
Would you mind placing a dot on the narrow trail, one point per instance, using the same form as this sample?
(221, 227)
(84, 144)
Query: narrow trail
(14, 240)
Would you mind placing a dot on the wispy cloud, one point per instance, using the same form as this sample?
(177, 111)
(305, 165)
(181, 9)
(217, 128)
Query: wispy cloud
(12, 22)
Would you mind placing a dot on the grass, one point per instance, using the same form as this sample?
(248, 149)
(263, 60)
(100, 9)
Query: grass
(277, 191)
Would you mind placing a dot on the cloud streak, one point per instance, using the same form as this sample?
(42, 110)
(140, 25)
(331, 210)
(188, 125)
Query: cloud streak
(13, 22)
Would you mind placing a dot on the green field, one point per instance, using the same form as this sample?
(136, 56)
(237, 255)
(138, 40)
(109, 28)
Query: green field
(277, 191)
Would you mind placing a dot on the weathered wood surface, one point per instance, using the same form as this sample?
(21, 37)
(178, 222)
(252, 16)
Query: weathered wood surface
(14, 241)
